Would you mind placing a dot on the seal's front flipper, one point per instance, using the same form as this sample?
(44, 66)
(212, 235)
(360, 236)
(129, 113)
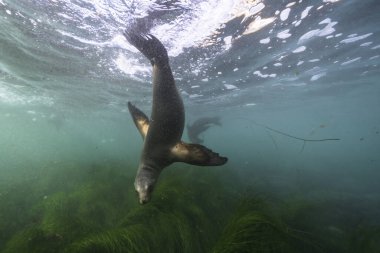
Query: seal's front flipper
(196, 154)
(140, 119)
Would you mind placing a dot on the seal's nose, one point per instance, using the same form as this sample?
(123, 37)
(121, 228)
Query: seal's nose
(143, 201)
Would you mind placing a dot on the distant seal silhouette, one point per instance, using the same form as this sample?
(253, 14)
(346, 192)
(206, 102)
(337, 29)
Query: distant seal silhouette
(199, 126)
(162, 133)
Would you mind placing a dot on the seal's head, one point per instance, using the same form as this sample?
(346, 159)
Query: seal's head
(144, 183)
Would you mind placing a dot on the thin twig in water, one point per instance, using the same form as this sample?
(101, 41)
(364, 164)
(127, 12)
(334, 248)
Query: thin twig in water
(273, 140)
(288, 135)
(295, 137)
(303, 146)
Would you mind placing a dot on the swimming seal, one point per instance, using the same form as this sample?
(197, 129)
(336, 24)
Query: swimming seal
(162, 133)
(199, 126)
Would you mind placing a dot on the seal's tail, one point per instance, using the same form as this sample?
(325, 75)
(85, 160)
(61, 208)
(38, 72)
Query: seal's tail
(148, 45)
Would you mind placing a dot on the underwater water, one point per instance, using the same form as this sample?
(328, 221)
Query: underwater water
(288, 90)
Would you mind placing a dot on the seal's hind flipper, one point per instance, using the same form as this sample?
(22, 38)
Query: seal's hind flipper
(140, 119)
(196, 154)
(148, 45)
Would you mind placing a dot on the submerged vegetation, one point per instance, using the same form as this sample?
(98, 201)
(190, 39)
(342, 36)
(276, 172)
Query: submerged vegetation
(94, 209)
(253, 229)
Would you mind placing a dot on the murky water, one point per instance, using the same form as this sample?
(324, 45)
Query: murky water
(294, 86)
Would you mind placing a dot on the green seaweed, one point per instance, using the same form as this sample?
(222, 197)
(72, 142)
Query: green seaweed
(116, 240)
(34, 240)
(337, 222)
(364, 238)
(69, 212)
(174, 221)
(90, 208)
(95, 209)
(15, 211)
(255, 228)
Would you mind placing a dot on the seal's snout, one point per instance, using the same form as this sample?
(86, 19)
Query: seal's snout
(143, 198)
(144, 194)
(144, 183)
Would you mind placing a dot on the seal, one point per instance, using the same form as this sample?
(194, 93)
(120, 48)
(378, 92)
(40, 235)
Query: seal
(199, 126)
(162, 133)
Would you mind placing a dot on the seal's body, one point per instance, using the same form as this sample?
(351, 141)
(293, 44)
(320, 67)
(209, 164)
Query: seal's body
(162, 133)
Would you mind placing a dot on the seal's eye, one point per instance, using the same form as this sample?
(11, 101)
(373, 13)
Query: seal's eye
(150, 188)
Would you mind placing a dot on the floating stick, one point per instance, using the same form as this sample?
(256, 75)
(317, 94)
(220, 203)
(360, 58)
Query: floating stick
(295, 137)
(288, 135)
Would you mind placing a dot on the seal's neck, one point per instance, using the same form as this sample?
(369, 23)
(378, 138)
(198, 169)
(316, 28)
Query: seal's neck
(148, 171)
